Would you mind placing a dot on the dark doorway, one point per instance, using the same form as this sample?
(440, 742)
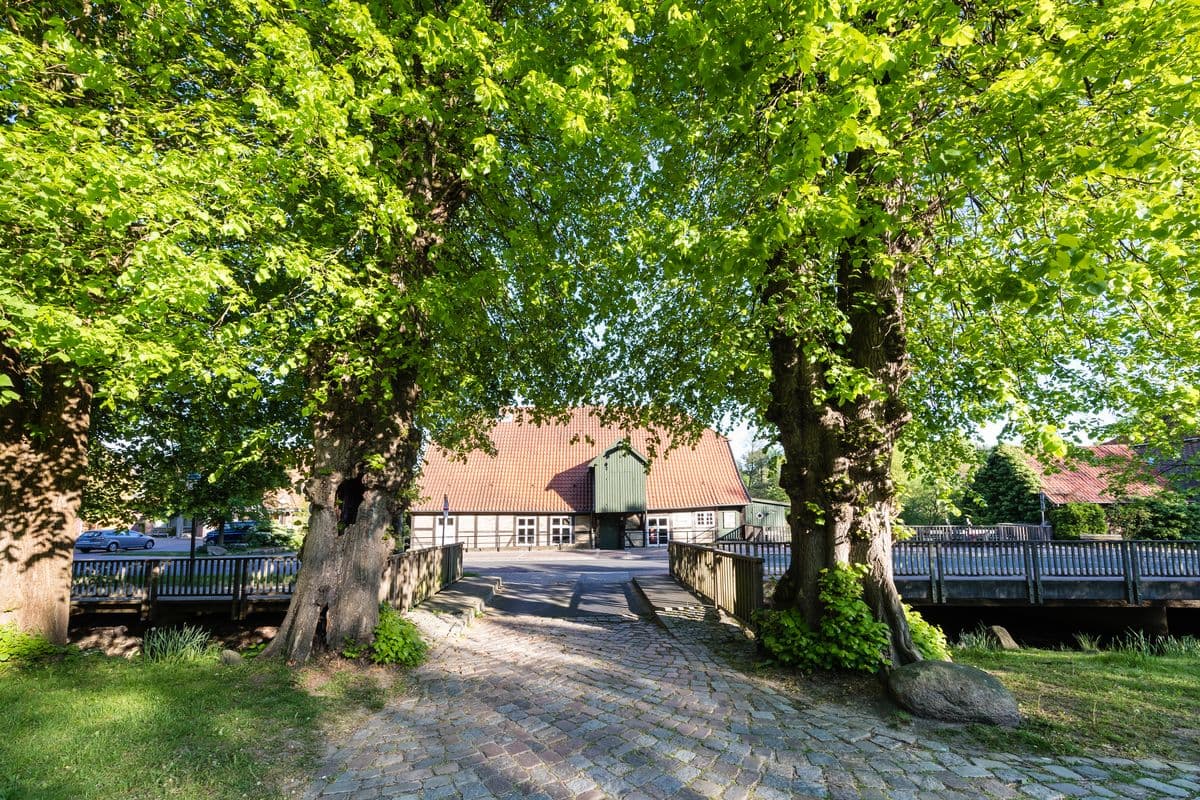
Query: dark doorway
(610, 532)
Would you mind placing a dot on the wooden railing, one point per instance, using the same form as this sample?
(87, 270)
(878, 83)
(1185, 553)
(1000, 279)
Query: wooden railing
(733, 582)
(1130, 572)
(981, 533)
(415, 575)
(244, 581)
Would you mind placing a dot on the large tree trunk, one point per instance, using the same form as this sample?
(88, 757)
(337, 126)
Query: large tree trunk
(839, 453)
(43, 455)
(364, 456)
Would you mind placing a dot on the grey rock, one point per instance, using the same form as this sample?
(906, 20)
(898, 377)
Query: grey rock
(215, 550)
(1003, 639)
(953, 692)
(231, 658)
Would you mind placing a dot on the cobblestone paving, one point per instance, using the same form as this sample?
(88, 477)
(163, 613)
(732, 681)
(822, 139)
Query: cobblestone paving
(530, 707)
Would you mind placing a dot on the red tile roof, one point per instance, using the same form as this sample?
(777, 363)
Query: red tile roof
(1105, 481)
(539, 469)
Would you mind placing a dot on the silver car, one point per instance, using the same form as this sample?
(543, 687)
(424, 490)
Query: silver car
(113, 540)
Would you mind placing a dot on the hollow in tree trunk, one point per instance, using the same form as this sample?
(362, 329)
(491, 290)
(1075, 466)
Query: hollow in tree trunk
(364, 455)
(43, 456)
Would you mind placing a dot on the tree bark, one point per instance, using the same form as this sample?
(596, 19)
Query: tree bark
(837, 471)
(43, 456)
(353, 497)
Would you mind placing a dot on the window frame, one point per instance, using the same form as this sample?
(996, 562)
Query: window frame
(562, 530)
(705, 520)
(521, 530)
(658, 530)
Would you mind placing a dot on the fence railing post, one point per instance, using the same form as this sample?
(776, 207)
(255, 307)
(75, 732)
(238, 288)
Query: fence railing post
(153, 569)
(1135, 568)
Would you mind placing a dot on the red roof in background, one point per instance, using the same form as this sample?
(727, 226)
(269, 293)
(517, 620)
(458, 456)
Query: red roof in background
(538, 469)
(1081, 482)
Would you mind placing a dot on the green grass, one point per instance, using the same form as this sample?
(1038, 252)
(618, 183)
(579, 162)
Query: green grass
(97, 727)
(1126, 704)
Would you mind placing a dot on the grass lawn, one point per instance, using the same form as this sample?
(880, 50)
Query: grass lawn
(1096, 703)
(97, 727)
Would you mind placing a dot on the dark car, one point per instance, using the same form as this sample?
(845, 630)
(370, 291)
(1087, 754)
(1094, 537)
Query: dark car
(113, 540)
(235, 532)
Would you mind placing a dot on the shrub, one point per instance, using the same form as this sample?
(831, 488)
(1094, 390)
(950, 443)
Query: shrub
(19, 647)
(397, 641)
(1168, 516)
(847, 637)
(929, 638)
(177, 645)
(1076, 520)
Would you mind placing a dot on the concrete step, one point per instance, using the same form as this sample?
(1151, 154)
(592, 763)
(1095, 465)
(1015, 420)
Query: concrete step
(466, 599)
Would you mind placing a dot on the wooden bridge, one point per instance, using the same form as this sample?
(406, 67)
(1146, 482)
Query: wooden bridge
(1112, 573)
(241, 583)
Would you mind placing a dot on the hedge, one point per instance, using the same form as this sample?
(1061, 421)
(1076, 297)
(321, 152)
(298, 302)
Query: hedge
(1077, 520)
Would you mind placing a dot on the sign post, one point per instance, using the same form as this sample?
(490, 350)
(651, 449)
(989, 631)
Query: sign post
(445, 517)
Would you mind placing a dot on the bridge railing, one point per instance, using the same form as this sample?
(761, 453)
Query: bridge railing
(733, 582)
(981, 533)
(1033, 571)
(146, 583)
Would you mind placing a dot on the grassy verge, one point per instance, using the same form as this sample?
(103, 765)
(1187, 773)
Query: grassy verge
(96, 727)
(1096, 703)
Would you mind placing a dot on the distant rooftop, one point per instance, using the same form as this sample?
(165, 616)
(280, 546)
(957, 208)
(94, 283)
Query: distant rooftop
(544, 468)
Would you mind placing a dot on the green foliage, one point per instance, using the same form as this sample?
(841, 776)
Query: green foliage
(19, 648)
(397, 640)
(847, 637)
(1077, 520)
(760, 472)
(1005, 489)
(931, 482)
(930, 639)
(977, 639)
(184, 644)
(1168, 516)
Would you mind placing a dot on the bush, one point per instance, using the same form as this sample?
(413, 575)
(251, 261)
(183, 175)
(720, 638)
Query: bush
(178, 645)
(1168, 516)
(847, 637)
(929, 638)
(1076, 520)
(397, 641)
(18, 647)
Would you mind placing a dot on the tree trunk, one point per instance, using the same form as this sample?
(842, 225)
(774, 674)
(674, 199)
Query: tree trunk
(43, 456)
(221, 532)
(839, 452)
(353, 496)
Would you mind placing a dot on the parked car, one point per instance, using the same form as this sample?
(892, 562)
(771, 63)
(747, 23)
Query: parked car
(113, 540)
(235, 532)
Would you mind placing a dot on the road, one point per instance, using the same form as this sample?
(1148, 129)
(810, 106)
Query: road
(565, 585)
(163, 546)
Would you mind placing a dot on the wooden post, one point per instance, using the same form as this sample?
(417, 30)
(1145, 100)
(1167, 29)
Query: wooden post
(150, 590)
(1136, 570)
(934, 569)
(1030, 572)
(238, 606)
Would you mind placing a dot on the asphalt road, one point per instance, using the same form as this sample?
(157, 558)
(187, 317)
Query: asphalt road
(163, 546)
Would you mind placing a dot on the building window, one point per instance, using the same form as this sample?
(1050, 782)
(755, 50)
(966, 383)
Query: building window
(526, 530)
(562, 531)
(706, 520)
(658, 530)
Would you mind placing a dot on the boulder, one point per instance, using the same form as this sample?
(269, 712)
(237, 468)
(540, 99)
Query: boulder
(231, 658)
(953, 692)
(215, 550)
(1003, 639)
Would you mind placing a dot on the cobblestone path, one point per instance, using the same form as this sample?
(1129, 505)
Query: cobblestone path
(523, 706)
